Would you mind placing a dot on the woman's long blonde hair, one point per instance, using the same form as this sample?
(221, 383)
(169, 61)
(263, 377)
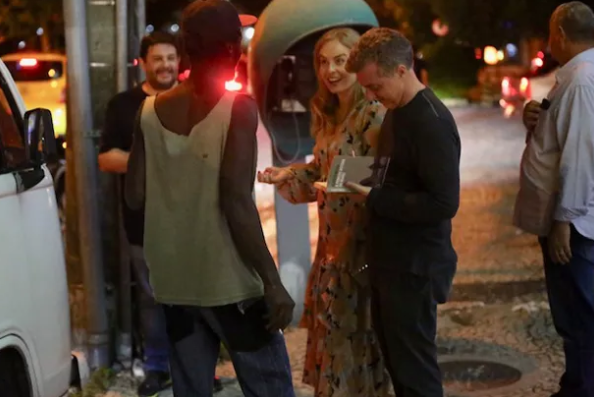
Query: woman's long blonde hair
(324, 104)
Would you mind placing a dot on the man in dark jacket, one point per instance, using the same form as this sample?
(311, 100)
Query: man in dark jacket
(410, 254)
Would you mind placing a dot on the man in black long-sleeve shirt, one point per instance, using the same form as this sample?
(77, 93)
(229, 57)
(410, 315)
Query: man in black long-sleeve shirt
(410, 254)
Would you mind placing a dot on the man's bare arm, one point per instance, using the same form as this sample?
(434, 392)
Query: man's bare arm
(114, 160)
(238, 172)
(236, 187)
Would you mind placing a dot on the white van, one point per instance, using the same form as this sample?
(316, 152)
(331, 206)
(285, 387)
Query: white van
(35, 356)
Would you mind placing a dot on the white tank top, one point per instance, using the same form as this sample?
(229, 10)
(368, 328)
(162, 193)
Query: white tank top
(187, 243)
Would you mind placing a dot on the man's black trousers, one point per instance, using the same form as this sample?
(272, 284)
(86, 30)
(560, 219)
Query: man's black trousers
(404, 310)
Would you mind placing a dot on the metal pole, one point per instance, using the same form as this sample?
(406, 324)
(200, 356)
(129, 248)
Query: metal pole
(293, 245)
(85, 168)
(122, 44)
(124, 348)
(140, 12)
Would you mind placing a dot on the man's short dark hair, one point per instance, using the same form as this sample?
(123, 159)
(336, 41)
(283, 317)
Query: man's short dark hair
(387, 48)
(577, 21)
(209, 28)
(157, 38)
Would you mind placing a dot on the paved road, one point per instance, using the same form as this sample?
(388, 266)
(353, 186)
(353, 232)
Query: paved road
(491, 145)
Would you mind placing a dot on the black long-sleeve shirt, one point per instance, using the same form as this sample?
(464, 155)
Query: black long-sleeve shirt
(410, 214)
(118, 134)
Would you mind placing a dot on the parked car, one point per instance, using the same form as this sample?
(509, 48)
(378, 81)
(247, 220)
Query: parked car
(534, 83)
(35, 351)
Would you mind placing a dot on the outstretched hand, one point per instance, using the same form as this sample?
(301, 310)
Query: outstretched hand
(275, 175)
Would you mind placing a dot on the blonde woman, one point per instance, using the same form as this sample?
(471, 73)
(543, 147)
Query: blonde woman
(343, 357)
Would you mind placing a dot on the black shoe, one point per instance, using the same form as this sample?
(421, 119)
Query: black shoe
(154, 383)
(218, 385)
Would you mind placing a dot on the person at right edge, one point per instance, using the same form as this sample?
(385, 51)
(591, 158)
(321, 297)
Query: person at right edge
(193, 166)
(556, 197)
(410, 255)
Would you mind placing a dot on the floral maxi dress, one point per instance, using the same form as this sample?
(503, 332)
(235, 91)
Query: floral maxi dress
(343, 357)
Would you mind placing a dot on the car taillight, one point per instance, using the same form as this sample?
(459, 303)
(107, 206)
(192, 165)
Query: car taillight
(28, 62)
(505, 86)
(524, 85)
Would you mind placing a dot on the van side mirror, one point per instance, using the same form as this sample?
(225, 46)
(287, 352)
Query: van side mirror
(40, 141)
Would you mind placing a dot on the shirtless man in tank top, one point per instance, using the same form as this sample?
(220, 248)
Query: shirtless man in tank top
(251, 325)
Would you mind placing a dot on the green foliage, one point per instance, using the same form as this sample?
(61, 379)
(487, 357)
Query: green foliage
(530, 20)
(495, 22)
(412, 17)
(22, 18)
(419, 17)
(472, 22)
(452, 68)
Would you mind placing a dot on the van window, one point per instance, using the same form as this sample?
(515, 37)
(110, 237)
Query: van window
(12, 149)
